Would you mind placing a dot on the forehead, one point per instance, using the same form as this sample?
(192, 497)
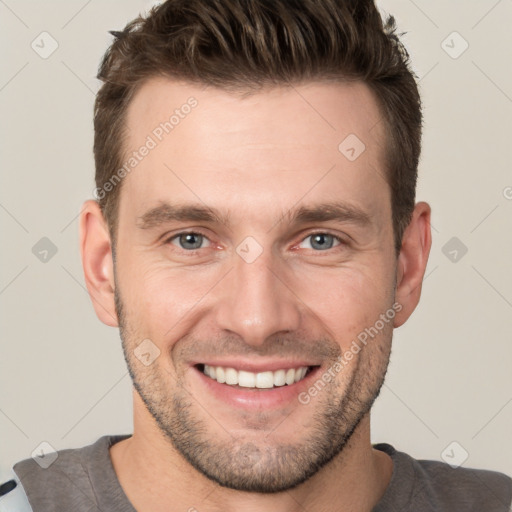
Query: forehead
(267, 149)
(327, 109)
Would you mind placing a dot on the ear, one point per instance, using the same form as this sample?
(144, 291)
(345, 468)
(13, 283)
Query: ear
(412, 262)
(96, 252)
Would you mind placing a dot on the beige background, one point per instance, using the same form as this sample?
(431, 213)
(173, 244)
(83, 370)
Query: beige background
(62, 375)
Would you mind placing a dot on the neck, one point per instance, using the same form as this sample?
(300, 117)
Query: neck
(153, 474)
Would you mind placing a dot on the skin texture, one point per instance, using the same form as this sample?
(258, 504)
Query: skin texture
(254, 159)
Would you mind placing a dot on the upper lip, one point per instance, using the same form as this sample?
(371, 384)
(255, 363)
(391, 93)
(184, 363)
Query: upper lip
(257, 367)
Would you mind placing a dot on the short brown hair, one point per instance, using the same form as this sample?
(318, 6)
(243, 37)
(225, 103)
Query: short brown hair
(243, 45)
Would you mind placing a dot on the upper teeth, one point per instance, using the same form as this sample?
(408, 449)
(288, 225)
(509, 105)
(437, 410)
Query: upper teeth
(255, 380)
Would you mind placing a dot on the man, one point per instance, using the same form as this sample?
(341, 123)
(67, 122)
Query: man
(256, 240)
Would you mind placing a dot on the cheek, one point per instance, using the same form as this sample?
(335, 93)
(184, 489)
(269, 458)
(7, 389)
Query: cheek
(347, 301)
(161, 299)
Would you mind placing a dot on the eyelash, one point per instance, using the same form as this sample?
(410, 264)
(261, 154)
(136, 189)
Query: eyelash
(341, 241)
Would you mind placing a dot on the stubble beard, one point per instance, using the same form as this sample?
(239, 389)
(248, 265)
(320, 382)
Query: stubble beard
(250, 466)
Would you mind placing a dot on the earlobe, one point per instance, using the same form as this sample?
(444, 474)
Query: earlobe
(412, 262)
(96, 253)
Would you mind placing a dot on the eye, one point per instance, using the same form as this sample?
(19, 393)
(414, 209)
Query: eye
(322, 241)
(189, 241)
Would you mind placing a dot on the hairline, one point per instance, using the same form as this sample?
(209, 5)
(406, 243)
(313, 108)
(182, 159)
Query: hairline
(242, 91)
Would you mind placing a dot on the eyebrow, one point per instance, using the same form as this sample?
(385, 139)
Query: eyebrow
(166, 213)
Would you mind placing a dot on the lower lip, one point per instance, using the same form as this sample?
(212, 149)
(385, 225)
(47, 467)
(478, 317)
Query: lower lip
(251, 398)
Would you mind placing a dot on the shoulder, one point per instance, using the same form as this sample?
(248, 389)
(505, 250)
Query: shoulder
(435, 485)
(62, 480)
(477, 489)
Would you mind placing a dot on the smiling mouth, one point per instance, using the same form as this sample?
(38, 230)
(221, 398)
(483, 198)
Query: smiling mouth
(259, 380)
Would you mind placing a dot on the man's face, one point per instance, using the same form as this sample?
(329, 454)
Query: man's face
(260, 289)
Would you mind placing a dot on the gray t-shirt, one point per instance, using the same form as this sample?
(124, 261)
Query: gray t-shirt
(84, 480)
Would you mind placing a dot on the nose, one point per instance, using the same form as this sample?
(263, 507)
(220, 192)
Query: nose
(256, 302)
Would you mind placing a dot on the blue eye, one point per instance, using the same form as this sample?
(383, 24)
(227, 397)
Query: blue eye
(192, 241)
(322, 241)
(189, 241)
